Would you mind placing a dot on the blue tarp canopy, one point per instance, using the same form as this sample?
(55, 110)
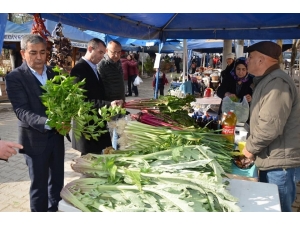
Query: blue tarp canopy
(216, 46)
(165, 26)
(16, 28)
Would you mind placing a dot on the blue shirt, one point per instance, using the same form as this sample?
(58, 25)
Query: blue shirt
(42, 78)
(94, 66)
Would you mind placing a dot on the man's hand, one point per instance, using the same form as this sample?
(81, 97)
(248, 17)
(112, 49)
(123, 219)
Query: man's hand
(7, 149)
(248, 154)
(66, 127)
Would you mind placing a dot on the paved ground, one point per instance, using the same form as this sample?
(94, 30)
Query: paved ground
(14, 179)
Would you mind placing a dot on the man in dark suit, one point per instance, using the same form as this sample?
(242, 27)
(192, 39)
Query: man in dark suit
(86, 68)
(44, 149)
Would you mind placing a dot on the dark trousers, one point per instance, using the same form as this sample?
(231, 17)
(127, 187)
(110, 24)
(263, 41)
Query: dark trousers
(46, 172)
(131, 79)
(160, 89)
(177, 68)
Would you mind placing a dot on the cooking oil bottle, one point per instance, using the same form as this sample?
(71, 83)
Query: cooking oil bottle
(233, 115)
(228, 126)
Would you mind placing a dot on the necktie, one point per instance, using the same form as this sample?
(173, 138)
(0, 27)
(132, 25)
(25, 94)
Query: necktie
(96, 72)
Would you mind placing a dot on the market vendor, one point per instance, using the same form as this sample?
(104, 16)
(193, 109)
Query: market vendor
(274, 141)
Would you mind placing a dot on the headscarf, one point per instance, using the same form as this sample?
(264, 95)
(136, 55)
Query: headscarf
(241, 60)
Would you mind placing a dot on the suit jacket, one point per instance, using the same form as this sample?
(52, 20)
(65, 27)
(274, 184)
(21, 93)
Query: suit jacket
(94, 92)
(24, 91)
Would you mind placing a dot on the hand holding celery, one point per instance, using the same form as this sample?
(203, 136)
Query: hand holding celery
(65, 100)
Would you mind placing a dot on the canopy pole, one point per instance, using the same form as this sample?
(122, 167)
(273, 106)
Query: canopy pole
(142, 61)
(227, 48)
(184, 60)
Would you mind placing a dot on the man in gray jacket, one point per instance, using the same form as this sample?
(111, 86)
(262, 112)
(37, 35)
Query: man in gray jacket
(274, 140)
(111, 72)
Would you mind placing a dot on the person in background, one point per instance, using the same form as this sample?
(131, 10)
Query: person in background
(229, 67)
(132, 74)
(43, 147)
(7, 149)
(124, 62)
(86, 68)
(162, 81)
(238, 84)
(193, 67)
(273, 141)
(215, 61)
(111, 72)
(177, 61)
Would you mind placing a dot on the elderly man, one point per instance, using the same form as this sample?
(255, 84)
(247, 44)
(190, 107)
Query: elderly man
(274, 140)
(43, 147)
(86, 68)
(111, 72)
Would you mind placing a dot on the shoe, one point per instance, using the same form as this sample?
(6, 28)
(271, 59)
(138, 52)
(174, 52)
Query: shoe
(128, 95)
(136, 96)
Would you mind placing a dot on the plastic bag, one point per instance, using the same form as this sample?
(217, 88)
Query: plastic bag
(137, 81)
(241, 109)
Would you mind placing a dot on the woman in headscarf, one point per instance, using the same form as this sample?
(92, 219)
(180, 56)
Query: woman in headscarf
(238, 84)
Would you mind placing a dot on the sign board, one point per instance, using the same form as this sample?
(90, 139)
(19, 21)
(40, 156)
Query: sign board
(157, 60)
(12, 37)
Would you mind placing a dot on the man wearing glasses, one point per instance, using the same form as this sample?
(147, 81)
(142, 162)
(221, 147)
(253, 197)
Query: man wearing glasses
(111, 72)
(86, 68)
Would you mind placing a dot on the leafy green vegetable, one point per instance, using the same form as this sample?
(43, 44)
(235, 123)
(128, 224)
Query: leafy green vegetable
(183, 179)
(234, 98)
(65, 101)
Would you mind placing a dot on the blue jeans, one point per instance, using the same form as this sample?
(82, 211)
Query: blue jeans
(297, 175)
(285, 180)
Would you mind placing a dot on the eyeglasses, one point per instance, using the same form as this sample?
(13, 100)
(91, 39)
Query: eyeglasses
(115, 53)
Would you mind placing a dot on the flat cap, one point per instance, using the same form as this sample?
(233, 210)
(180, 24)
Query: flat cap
(268, 48)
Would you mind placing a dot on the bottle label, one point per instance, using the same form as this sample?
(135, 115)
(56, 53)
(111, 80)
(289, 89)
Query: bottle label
(228, 130)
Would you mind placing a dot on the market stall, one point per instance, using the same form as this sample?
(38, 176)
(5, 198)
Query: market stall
(164, 161)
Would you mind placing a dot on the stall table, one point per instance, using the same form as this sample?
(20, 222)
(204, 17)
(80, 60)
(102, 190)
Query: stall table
(253, 197)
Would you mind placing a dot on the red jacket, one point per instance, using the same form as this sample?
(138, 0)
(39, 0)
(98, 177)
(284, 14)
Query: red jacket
(162, 80)
(125, 63)
(133, 68)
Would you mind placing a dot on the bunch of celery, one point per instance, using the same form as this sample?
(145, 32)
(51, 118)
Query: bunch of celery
(65, 101)
(146, 138)
(185, 179)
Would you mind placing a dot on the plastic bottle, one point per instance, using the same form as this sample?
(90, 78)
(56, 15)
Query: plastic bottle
(228, 126)
(223, 117)
(233, 115)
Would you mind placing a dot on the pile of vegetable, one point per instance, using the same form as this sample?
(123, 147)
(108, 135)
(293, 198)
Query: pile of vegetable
(177, 179)
(145, 139)
(167, 166)
(165, 110)
(65, 101)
